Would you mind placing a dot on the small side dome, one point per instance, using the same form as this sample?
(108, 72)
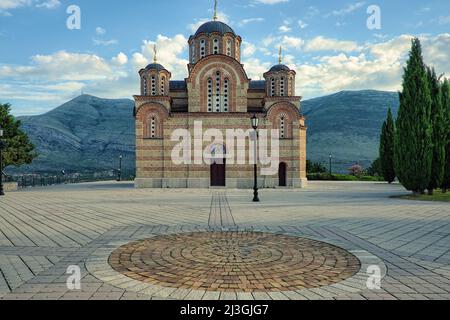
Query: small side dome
(214, 26)
(155, 66)
(279, 67)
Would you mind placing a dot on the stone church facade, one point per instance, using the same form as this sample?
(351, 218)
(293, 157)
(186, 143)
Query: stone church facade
(218, 93)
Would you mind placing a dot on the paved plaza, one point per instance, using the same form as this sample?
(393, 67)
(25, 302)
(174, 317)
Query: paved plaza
(322, 242)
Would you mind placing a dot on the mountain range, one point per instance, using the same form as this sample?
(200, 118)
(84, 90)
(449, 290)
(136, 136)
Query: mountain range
(87, 134)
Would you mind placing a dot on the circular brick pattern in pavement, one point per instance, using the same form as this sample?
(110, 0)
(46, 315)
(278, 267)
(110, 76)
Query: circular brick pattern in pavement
(234, 261)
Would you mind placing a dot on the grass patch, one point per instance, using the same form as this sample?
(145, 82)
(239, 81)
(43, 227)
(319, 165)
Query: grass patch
(437, 196)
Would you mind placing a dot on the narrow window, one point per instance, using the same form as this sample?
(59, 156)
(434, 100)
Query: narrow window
(163, 85)
(210, 95)
(153, 128)
(272, 87)
(229, 44)
(282, 86)
(202, 48)
(217, 97)
(216, 46)
(193, 52)
(226, 95)
(153, 86)
(282, 128)
(145, 86)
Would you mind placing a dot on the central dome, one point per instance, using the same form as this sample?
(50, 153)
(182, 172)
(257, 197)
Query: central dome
(214, 26)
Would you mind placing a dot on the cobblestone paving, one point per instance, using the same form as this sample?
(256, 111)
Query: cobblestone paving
(234, 262)
(43, 231)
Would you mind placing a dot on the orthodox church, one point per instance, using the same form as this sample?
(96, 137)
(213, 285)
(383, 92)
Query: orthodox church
(219, 94)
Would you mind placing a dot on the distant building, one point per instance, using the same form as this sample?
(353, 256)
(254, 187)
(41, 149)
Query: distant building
(218, 93)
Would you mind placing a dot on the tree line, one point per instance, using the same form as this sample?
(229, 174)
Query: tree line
(416, 147)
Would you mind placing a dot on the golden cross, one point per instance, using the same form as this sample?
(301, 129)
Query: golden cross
(154, 55)
(280, 56)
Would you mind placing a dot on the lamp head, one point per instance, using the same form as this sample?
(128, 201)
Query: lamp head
(255, 122)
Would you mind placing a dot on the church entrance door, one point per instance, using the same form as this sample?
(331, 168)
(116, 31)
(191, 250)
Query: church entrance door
(282, 175)
(218, 174)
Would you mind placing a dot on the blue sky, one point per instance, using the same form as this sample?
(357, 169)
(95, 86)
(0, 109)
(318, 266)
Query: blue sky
(43, 63)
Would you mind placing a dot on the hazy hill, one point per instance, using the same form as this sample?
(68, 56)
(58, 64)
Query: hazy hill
(347, 125)
(88, 134)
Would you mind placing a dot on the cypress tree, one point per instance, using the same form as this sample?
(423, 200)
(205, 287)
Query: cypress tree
(445, 89)
(387, 148)
(439, 133)
(413, 143)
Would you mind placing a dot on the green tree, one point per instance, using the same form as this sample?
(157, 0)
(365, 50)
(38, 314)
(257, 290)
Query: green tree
(315, 167)
(19, 150)
(413, 138)
(445, 89)
(439, 136)
(375, 169)
(387, 148)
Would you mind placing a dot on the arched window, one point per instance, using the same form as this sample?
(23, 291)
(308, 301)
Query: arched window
(163, 86)
(153, 85)
(229, 46)
(218, 93)
(216, 46)
(152, 127)
(272, 87)
(217, 96)
(210, 95)
(282, 86)
(202, 48)
(145, 86)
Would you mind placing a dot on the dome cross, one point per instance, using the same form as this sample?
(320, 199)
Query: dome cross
(215, 11)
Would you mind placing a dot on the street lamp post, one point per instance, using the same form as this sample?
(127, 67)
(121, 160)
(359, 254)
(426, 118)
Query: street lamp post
(120, 168)
(331, 157)
(2, 144)
(255, 124)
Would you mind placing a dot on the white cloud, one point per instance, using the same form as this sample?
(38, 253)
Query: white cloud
(444, 20)
(271, 1)
(248, 49)
(99, 42)
(49, 4)
(302, 24)
(321, 43)
(255, 68)
(6, 5)
(348, 9)
(100, 31)
(13, 4)
(379, 67)
(244, 22)
(284, 29)
(292, 42)
(169, 54)
(120, 59)
(139, 61)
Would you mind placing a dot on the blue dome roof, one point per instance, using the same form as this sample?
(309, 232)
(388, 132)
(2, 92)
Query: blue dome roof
(279, 67)
(155, 66)
(214, 26)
